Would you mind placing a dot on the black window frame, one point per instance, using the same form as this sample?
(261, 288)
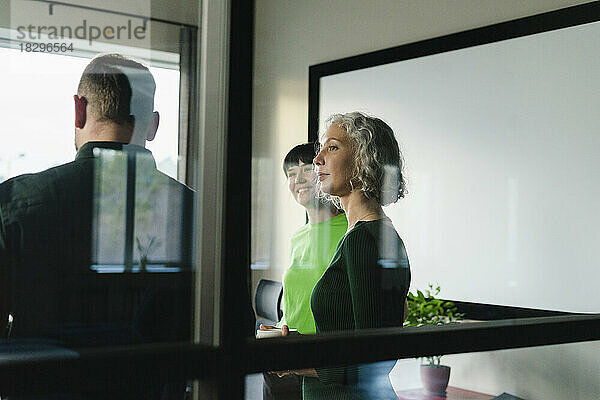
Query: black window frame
(224, 367)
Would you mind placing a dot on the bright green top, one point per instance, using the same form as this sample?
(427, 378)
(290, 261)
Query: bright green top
(312, 247)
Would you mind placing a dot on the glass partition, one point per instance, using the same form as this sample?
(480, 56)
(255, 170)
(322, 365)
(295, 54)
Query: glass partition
(457, 146)
(127, 258)
(566, 371)
(97, 214)
(47, 140)
(494, 202)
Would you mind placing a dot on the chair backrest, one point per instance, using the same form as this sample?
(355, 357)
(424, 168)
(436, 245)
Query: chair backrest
(267, 299)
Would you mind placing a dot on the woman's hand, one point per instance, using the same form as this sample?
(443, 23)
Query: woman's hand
(284, 329)
(306, 372)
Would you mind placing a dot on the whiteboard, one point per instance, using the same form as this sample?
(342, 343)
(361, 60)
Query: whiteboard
(502, 150)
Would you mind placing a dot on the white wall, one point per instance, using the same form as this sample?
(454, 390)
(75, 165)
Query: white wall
(292, 35)
(501, 149)
(558, 372)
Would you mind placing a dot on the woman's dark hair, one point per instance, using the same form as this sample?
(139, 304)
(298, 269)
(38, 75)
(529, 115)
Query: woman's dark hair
(304, 152)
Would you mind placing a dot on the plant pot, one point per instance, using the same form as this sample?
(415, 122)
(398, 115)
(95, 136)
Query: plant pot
(435, 378)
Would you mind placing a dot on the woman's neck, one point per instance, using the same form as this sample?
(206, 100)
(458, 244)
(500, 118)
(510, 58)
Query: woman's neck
(321, 213)
(359, 208)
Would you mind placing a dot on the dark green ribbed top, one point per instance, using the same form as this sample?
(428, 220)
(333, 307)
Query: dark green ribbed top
(364, 287)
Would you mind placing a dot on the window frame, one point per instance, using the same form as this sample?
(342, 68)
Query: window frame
(119, 366)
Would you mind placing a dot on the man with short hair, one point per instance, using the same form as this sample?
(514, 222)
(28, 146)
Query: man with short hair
(108, 207)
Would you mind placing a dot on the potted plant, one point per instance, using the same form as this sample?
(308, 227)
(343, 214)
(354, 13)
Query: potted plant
(425, 309)
(145, 250)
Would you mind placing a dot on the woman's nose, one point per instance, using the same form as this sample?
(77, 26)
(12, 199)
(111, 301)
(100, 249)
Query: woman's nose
(318, 160)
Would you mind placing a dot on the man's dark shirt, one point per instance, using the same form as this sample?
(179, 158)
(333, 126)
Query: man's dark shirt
(47, 247)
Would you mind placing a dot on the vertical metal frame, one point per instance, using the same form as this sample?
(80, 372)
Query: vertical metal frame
(238, 316)
(188, 117)
(209, 167)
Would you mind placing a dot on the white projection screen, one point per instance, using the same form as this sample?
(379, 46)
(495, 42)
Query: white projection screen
(502, 149)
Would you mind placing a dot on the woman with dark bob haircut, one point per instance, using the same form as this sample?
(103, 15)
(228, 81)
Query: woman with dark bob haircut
(311, 248)
(359, 165)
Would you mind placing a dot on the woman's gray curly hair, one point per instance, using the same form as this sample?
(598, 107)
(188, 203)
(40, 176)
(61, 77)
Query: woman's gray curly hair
(378, 161)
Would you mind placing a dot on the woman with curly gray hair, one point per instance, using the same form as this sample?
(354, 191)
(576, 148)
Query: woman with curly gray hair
(365, 286)
(375, 170)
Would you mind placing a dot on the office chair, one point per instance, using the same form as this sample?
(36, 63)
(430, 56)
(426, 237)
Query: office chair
(267, 301)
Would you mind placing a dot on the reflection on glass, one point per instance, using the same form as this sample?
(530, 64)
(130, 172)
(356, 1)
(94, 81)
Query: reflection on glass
(564, 371)
(142, 225)
(365, 381)
(368, 381)
(47, 139)
(95, 250)
(98, 251)
(109, 212)
(138, 207)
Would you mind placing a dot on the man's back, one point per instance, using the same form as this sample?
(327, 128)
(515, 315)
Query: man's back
(61, 227)
(40, 217)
